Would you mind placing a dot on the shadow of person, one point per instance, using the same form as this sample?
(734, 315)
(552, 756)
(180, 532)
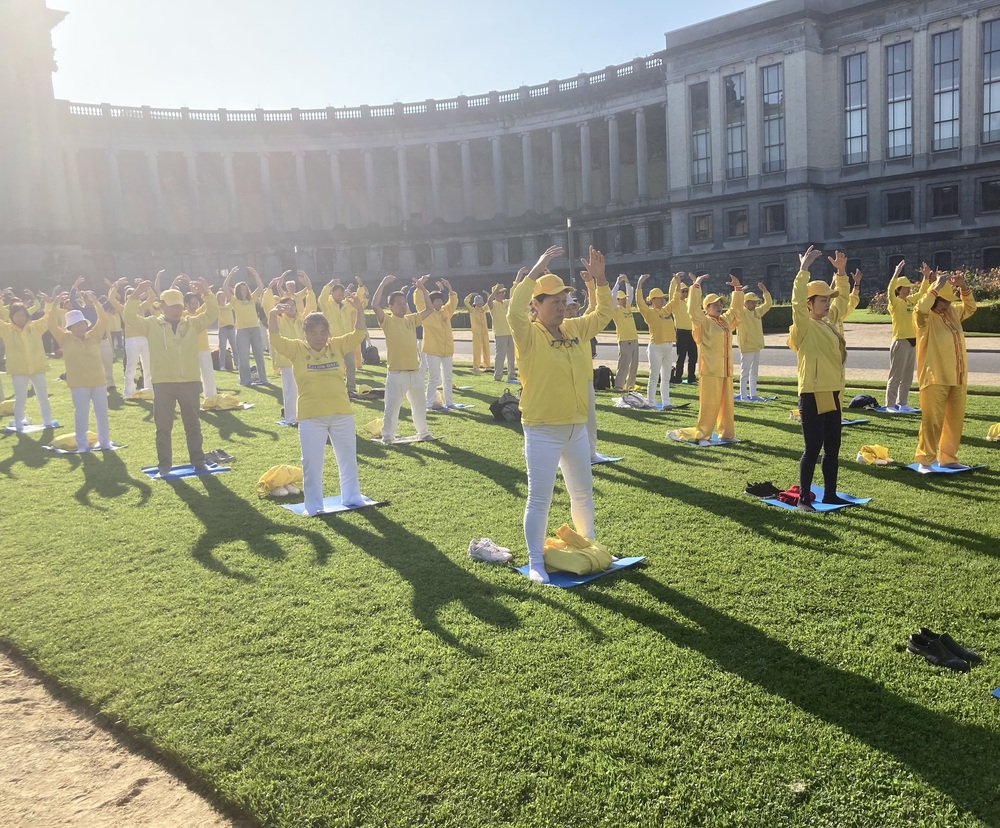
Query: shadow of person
(25, 451)
(105, 474)
(957, 759)
(510, 479)
(230, 424)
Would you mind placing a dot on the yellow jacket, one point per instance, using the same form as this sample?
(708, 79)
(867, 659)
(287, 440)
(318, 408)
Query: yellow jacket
(624, 321)
(145, 308)
(245, 310)
(84, 366)
(901, 310)
(289, 329)
(843, 305)
(439, 340)
(173, 354)
(498, 312)
(750, 329)
(660, 322)
(319, 375)
(25, 352)
(401, 351)
(682, 319)
(941, 356)
(555, 376)
(342, 317)
(820, 348)
(714, 336)
(203, 344)
(477, 317)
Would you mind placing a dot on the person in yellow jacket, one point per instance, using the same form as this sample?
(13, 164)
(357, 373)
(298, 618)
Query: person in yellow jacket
(903, 352)
(26, 360)
(324, 409)
(497, 305)
(173, 353)
(844, 299)
(342, 312)
(821, 355)
(248, 334)
(136, 346)
(290, 328)
(750, 336)
(623, 315)
(84, 368)
(556, 368)
(439, 341)
(713, 331)
(942, 369)
(687, 348)
(194, 306)
(476, 306)
(659, 316)
(404, 377)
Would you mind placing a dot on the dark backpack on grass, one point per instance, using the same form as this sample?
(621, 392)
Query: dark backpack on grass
(506, 409)
(370, 355)
(604, 378)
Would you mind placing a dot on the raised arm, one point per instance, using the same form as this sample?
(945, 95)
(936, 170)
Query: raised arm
(377, 298)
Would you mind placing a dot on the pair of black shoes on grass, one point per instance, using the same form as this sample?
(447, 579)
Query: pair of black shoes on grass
(942, 650)
(218, 457)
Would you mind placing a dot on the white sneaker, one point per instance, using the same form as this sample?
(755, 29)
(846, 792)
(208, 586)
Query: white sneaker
(924, 468)
(487, 551)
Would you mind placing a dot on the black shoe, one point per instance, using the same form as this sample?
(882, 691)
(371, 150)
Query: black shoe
(767, 489)
(835, 500)
(934, 652)
(952, 646)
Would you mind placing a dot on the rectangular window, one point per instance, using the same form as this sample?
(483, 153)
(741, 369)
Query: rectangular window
(423, 257)
(701, 227)
(856, 109)
(599, 239)
(944, 201)
(947, 79)
(484, 252)
(626, 238)
(991, 82)
(899, 100)
(654, 234)
(899, 206)
(772, 219)
(454, 253)
(326, 260)
(737, 226)
(989, 195)
(856, 211)
(701, 135)
(390, 259)
(542, 243)
(772, 82)
(515, 250)
(359, 259)
(736, 126)
(942, 260)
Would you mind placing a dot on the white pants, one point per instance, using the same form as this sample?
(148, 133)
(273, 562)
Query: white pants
(436, 366)
(749, 364)
(136, 351)
(314, 434)
(400, 384)
(108, 358)
(37, 381)
(661, 363)
(547, 448)
(505, 354)
(207, 374)
(83, 399)
(289, 394)
(592, 420)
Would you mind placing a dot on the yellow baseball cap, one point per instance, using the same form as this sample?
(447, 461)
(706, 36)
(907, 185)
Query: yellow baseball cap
(749, 296)
(655, 293)
(818, 287)
(550, 285)
(902, 281)
(710, 299)
(947, 292)
(171, 297)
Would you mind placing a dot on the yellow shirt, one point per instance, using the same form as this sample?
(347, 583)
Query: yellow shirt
(840, 308)
(624, 324)
(319, 375)
(401, 341)
(682, 319)
(130, 330)
(714, 336)
(25, 352)
(818, 344)
(555, 375)
(901, 311)
(203, 336)
(342, 317)
(941, 356)
(245, 310)
(227, 318)
(173, 354)
(498, 312)
(660, 322)
(289, 328)
(477, 317)
(439, 340)
(750, 329)
(84, 365)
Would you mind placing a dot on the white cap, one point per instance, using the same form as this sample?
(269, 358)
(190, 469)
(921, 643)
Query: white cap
(73, 317)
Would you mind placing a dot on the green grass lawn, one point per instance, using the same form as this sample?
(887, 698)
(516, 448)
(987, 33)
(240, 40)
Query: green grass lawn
(360, 670)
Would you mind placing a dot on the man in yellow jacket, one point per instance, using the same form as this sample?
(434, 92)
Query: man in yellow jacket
(497, 306)
(476, 307)
(903, 352)
(942, 370)
(173, 354)
(750, 335)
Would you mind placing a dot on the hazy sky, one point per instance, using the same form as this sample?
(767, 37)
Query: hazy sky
(241, 54)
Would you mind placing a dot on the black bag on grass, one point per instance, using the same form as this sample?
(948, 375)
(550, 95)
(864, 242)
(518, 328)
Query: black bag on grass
(370, 355)
(604, 378)
(506, 409)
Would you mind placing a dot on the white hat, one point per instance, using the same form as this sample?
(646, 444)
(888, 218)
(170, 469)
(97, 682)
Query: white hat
(73, 317)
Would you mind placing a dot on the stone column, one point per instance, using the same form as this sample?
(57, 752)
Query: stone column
(230, 176)
(117, 197)
(432, 149)
(72, 168)
(466, 178)
(585, 163)
(641, 155)
(529, 172)
(614, 160)
(302, 189)
(558, 186)
(194, 191)
(499, 190)
(404, 195)
(265, 189)
(338, 204)
(370, 183)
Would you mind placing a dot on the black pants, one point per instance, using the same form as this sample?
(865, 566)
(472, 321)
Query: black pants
(687, 349)
(821, 432)
(186, 396)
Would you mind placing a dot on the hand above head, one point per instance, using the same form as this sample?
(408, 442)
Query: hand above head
(761, 287)
(595, 266)
(643, 278)
(811, 255)
(697, 282)
(521, 273)
(734, 283)
(958, 279)
(354, 299)
(856, 278)
(899, 269)
(942, 279)
(388, 280)
(926, 272)
(542, 265)
(838, 260)
(78, 282)
(691, 277)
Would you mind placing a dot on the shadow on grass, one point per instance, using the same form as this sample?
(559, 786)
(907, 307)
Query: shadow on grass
(437, 581)
(25, 451)
(105, 474)
(230, 424)
(145, 405)
(955, 758)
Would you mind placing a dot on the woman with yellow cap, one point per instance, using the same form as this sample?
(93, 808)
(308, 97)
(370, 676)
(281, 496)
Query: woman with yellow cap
(659, 316)
(555, 365)
(248, 334)
(84, 368)
(750, 336)
(439, 340)
(26, 360)
(476, 306)
(903, 351)
(497, 305)
(821, 353)
(623, 315)
(942, 369)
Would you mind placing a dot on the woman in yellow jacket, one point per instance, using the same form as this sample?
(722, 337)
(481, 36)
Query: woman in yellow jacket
(942, 370)
(903, 352)
(248, 335)
(556, 368)
(821, 353)
(497, 304)
(476, 306)
(136, 345)
(750, 336)
(439, 341)
(713, 331)
(194, 306)
(26, 360)
(623, 315)
(659, 316)
(84, 368)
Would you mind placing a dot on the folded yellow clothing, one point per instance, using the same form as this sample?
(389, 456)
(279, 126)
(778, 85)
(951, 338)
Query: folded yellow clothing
(373, 428)
(795, 414)
(142, 394)
(278, 476)
(874, 456)
(67, 442)
(6, 408)
(993, 435)
(571, 552)
(221, 402)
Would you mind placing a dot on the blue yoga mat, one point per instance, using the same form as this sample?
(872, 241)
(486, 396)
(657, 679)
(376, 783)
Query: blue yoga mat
(938, 469)
(761, 400)
(852, 422)
(715, 441)
(564, 580)
(283, 423)
(603, 458)
(332, 505)
(73, 451)
(177, 472)
(818, 505)
(32, 429)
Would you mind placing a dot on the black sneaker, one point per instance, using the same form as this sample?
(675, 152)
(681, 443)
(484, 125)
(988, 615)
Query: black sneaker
(766, 489)
(934, 652)
(952, 646)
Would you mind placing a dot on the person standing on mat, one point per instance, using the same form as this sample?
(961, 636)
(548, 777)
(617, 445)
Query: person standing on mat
(323, 407)
(687, 348)
(623, 315)
(497, 305)
(942, 369)
(750, 335)
(659, 316)
(439, 341)
(476, 307)
(821, 354)
(173, 355)
(903, 351)
(26, 360)
(555, 366)
(136, 346)
(248, 335)
(404, 377)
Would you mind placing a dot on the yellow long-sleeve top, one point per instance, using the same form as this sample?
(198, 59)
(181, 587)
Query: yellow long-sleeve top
(750, 328)
(144, 309)
(498, 313)
(305, 300)
(401, 349)
(439, 339)
(114, 322)
(477, 317)
(841, 307)
(319, 375)
(32, 309)
(341, 316)
(714, 336)
(820, 348)
(289, 328)
(901, 310)
(660, 322)
(203, 344)
(173, 354)
(682, 319)
(245, 310)
(25, 352)
(941, 356)
(555, 375)
(624, 320)
(226, 316)
(82, 355)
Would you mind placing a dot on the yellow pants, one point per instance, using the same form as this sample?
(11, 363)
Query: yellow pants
(942, 414)
(480, 347)
(715, 410)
